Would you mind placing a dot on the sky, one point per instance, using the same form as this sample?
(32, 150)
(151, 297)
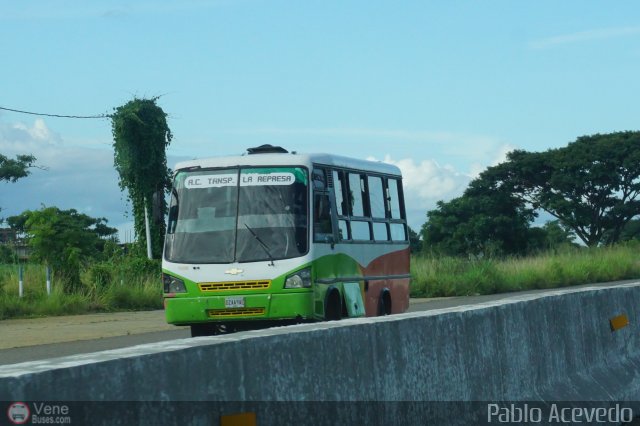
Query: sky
(443, 89)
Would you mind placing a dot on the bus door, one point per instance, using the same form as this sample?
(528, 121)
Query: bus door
(333, 297)
(353, 299)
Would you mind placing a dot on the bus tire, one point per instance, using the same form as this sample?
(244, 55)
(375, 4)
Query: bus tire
(384, 306)
(333, 305)
(210, 329)
(199, 330)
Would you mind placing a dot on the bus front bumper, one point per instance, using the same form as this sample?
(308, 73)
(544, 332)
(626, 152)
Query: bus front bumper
(192, 310)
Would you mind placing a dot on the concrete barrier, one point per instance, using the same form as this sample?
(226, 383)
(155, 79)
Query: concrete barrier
(538, 348)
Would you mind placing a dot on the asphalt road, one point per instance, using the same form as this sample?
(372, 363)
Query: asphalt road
(43, 338)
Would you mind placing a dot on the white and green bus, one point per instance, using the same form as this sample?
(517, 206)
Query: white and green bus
(273, 237)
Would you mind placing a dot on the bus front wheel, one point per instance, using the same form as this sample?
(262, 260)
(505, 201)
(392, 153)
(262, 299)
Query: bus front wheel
(208, 329)
(333, 306)
(199, 330)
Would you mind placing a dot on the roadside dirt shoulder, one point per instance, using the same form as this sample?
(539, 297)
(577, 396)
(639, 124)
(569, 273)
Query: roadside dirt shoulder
(17, 333)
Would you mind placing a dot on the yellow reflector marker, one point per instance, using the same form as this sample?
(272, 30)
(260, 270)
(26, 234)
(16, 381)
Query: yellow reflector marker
(243, 419)
(619, 322)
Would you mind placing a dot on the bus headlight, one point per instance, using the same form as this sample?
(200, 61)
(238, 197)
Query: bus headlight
(173, 284)
(299, 279)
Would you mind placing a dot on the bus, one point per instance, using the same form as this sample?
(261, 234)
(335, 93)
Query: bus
(272, 237)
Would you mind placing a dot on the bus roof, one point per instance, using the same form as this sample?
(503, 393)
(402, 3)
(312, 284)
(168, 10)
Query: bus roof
(290, 159)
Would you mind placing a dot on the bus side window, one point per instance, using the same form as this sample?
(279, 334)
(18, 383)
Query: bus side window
(343, 230)
(376, 197)
(393, 197)
(356, 195)
(339, 185)
(322, 231)
(319, 181)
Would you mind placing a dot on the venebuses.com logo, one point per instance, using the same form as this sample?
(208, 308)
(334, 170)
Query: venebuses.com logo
(55, 413)
(18, 413)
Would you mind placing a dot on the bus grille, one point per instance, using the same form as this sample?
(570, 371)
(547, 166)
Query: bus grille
(235, 312)
(235, 285)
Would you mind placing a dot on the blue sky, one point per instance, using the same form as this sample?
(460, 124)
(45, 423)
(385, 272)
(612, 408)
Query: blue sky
(442, 88)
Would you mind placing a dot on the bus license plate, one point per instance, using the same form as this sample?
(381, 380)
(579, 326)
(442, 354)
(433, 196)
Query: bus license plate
(234, 302)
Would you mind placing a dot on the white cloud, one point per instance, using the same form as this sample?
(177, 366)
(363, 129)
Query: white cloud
(425, 183)
(428, 180)
(14, 136)
(499, 156)
(70, 177)
(584, 36)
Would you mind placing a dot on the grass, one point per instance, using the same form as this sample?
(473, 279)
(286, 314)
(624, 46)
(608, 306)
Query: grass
(106, 287)
(445, 276)
(135, 283)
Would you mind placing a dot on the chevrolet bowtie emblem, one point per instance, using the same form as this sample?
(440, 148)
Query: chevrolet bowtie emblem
(234, 271)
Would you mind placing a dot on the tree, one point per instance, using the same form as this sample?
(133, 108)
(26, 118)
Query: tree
(631, 231)
(480, 223)
(550, 236)
(557, 235)
(592, 186)
(17, 223)
(141, 135)
(415, 244)
(7, 254)
(11, 170)
(63, 239)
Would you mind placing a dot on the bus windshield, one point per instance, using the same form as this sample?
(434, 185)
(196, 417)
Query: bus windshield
(238, 215)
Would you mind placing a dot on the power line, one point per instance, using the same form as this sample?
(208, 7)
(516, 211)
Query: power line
(55, 115)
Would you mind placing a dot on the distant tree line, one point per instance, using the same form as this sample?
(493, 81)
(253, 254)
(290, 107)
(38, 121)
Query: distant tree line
(63, 239)
(591, 188)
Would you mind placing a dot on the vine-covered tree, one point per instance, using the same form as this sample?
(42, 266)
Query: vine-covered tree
(592, 186)
(140, 138)
(63, 239)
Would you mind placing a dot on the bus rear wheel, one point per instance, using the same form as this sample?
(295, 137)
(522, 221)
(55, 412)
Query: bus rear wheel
(385, 303)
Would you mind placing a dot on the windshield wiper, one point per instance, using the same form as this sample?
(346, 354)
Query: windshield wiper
(262, 244)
